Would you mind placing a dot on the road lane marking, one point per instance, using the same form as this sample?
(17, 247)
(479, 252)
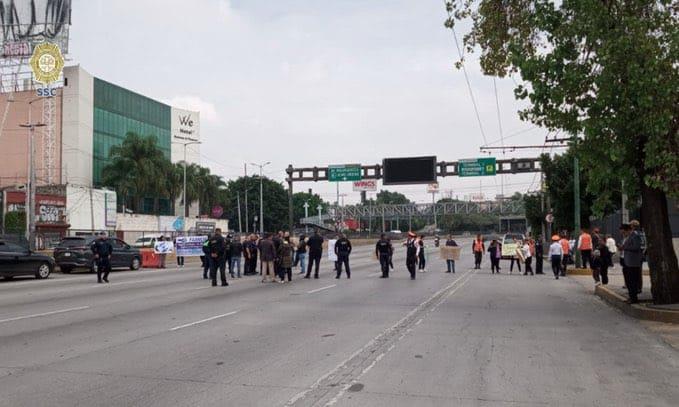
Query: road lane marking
(61, 311)
(202, 321)
(380, 340)
(321, 289)
(375, 274)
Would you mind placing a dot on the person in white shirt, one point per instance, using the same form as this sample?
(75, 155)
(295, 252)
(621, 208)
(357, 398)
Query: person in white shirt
(555, 253)
(528, 259)
(612, 248)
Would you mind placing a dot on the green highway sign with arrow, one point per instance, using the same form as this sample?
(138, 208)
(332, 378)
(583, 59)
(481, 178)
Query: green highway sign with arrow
(337, 173)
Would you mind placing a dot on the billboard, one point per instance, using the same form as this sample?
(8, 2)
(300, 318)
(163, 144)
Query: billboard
(185, 127)
(29, 22)
(409, 170)
(369, 185)
(433, 188)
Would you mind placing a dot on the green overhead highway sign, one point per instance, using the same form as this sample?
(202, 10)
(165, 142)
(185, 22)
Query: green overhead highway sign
(476, 167)
(337, 173)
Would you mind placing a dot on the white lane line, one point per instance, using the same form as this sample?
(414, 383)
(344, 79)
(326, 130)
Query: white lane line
(318, 382)
(61, 311)
(203, 320)
(375, 274)
(321, 289)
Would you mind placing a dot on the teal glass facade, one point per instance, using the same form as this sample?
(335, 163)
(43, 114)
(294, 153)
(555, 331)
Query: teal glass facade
(118, 111)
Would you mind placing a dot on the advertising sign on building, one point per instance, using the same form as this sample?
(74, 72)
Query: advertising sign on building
(185, 127)
(205, 228)
(369, 185)
(110, 212)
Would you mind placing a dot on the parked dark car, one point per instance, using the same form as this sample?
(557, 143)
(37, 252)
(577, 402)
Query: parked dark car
(16, 260)
(75, 252)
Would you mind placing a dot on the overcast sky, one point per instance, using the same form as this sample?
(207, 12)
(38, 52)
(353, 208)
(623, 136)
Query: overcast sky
(307, 83)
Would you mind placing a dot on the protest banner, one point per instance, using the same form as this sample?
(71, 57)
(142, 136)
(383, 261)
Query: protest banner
(190, 246)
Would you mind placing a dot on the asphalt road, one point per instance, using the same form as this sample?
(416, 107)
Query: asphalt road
(166, 338)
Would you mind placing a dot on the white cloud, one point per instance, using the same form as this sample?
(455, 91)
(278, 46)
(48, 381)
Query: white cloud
(208, 111)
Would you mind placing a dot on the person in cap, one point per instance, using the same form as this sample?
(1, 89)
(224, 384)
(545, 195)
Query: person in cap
(412, 253)
(102, 250)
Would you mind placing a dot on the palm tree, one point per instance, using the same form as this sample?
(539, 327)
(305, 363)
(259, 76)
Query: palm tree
(136, 166)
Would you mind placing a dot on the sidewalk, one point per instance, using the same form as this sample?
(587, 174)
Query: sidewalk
(649, 315)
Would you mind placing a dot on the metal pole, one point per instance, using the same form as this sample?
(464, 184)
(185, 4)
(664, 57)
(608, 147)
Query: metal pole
(542, 204)
(306, 216)
(290, 212)
(261, 201)
(576, 207)
(247, 218)
(184, 192)
(433, 208)
(30, 209)
(240, 225)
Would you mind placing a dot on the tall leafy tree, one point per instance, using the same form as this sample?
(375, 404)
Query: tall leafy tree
(275, 202)
(605, 71)
(298, 200)
(135, 168)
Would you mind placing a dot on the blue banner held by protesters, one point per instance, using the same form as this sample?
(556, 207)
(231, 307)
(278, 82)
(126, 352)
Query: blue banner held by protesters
(190, 246)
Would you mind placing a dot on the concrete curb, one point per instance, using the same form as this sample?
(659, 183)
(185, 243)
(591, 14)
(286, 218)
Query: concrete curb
(588, 272)
(638, 311)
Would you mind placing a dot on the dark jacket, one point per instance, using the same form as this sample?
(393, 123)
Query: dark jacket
(301, 247)
(236, 249)
(383, 248)
(343, 247)
(103, 248)
(632, 249)
(217, 246)
(451, 242)
(267, 250)
(315, 244)
(285, 251)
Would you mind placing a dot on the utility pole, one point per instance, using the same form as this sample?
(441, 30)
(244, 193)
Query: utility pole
(319, 208)
(247, 218)
(306, 216)
(576, 207)
(30, 191)
(542, 204)
(433, 209)
(187, 141)
(240, 225)
(261, 194)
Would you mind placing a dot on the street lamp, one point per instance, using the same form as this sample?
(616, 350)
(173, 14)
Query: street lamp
(187, 142)
(306, 216)
(30, 193)
(261, 195)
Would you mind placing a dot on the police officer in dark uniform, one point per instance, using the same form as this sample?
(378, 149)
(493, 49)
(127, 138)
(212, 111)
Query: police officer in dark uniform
(315, 244)
(343, 250)
(205, 258)
(412, 254)
(383, 252)
(102, 250)
(227, 254)
(218, 257)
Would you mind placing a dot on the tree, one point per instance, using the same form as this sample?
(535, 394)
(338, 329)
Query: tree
(298, 200)
(275, 202)
(391, 198)
(135, 168)
(604, 71)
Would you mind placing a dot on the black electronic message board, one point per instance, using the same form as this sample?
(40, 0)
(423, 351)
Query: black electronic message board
(409, 170)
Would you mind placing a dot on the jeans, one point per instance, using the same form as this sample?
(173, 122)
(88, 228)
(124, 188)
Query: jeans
(494, 264)
(511, 265)
(411, 264)
(206, 265)
(586, 258)
(556, 265)
(477, 259)
(217, 263)
(529, 265)
(301, 258)
(451, 265)
(422, 260)
(180, 260)
(314, 258)
(384, 263)
(343, 259)
(235, 264)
